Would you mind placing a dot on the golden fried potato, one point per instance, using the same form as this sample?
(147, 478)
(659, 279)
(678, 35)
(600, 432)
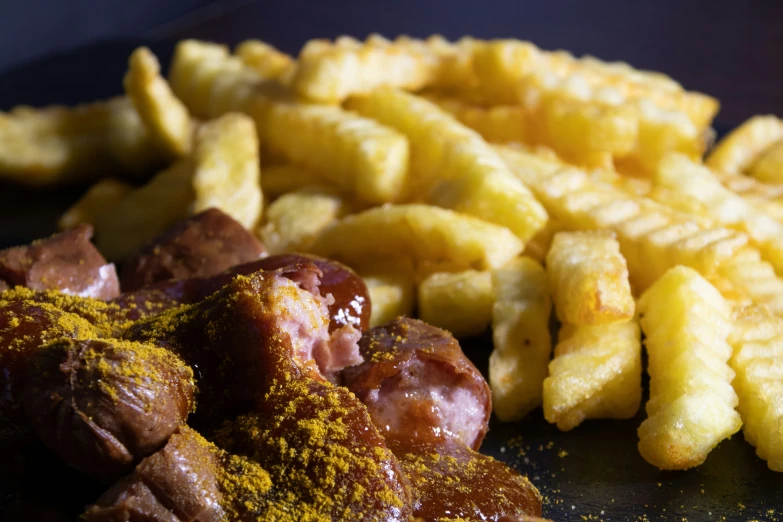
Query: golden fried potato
(460, 302)
(293, 220)
(596, 374)
(434, 239)
(166, 118)
(521, 338)
(757, 339)
(357, 154)
(755, 279)
(266, 60)
(281, 179)
(500, 123)
(768, 168)
(57, 145)
(222, 172)
(452, 165)
(538, 246)
(589, 278)
(391, 287)
(686, 322)
(330, 72)
(742, 146)
(104, 196)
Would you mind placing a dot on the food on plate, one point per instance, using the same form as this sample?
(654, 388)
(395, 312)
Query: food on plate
(687, 324)
(521, 337)
(392, 290)
(266, 60)
(589, 279)
(203, 245)
(279, 179)
(416, 382)
(101, 198)
(163, 115)
(596, 373)
(746, 145)
(460, 302)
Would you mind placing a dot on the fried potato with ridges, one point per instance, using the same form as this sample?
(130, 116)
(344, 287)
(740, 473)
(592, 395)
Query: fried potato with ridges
(104, 196)
(330, 72)
(499, 123)
(697, 190)
(164, 115)
(596, 374)
(391, 287)
(294, 219)
(57, 145)
(453, 61)
(453, 165)
(359, 155)
(742, 146)
(589, 278)
(222, 171)
(502, 64)
(768, 168)
(538, 246)
(281, 179)
(435, 239)
(686, 322)
(757, 339)
(266, 60)
(522, 344)
(755, 278)
(460, 302)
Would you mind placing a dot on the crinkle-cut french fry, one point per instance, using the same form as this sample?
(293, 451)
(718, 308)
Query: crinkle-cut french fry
(755, 278)
(653, 238)
(56, 145)
(266, 60)
(596, 373)
(696, 189)
(294, 219)
(222, 171)
(500, 65)
(521, 338)
(460, 302)
(691, 408)
(452, 61)
(391, 287)
(500, 123)
(453, 165)
(330, 72)
(358, 154)
(102, 197)
(768, 168)
(589, 278)
(165, 116)
(742, 146)
(538, 246)
(281, 179)
(757, 339)
(434, 239)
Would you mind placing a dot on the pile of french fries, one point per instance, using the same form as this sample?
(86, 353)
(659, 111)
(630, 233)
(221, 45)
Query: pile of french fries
(477, 184)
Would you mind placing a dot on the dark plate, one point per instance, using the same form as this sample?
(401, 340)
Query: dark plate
(591, 473)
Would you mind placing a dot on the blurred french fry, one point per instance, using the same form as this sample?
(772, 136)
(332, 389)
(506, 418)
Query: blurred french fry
(434, 239)
(222, 171)
(57, 145)
(538, 246)
(757, 339)
(686, 322)
(295, 218)
(166, 118)
(595, 374)
(500, 123)
(102, 197)
(521, 338)
(453, 165)
(742, 146)
(281, 179)
(266, 60)
(768, 168)
(460, 302)
(754, 278)
(589, 278)
(391, 287)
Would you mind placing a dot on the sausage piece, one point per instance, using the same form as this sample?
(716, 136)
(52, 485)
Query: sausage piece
(416, 381)
(323, 454)
(102, 405)
(449, 480)
(179, 483)
(201, 246)
(67, 262)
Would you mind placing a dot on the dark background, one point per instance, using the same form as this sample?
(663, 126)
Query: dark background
(70, 51)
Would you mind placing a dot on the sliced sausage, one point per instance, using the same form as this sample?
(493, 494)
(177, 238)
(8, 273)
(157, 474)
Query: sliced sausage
(66, 261)
(415, 380)
(201, 246)
(103, 405)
